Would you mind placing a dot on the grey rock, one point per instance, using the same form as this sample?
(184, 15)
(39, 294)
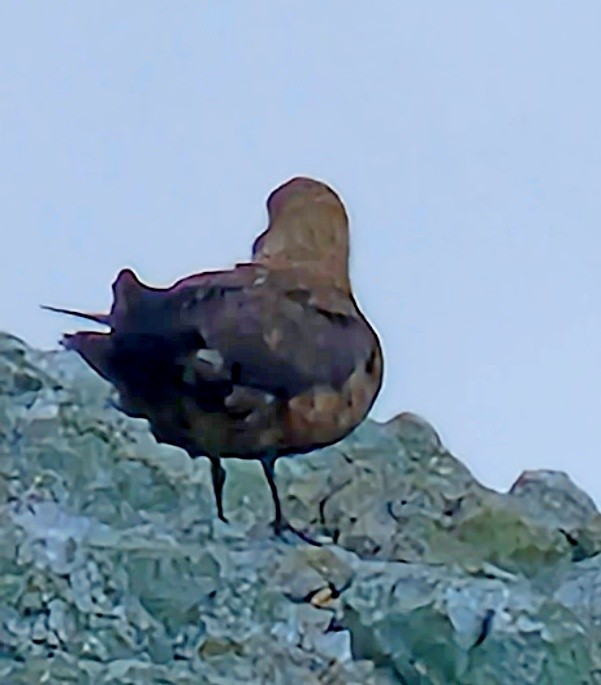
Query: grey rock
(114, 568)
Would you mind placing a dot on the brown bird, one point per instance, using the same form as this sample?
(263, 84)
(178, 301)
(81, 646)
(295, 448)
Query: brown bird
(267, 359)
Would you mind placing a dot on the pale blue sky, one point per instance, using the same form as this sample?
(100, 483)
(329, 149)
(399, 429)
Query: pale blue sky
(463, 138)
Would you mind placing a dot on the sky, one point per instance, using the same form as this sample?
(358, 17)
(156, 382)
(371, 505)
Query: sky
(463, 137)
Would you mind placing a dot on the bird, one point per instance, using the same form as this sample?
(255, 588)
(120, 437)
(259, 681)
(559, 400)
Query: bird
(266, 359)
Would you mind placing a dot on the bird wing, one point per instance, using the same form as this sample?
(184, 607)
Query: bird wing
(277, 341)
(233, 342)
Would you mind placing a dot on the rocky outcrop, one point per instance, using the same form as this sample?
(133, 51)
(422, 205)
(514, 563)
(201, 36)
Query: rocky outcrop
(114, 568)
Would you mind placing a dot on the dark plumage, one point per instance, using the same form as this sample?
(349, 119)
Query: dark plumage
(270, 358)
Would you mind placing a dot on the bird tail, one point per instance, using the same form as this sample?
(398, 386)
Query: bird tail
(98, 318)
(95, 348)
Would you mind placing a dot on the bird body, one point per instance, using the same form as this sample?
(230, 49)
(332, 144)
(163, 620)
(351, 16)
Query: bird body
(267, 359)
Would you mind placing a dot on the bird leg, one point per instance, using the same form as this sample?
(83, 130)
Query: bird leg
(218, 476)
(279, 523)
(268, 464)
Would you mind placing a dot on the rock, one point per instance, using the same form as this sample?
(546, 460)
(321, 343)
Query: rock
(114, 568)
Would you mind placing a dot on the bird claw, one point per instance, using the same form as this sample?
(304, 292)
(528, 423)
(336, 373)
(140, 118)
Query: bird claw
(283, 526)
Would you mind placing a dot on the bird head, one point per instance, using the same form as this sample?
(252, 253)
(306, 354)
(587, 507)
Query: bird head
(308, 229)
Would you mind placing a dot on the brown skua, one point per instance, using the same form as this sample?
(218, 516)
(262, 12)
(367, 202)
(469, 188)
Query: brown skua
(270, 358)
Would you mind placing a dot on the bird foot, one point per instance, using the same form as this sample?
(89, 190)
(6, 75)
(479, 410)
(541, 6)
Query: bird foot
(281, 527)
